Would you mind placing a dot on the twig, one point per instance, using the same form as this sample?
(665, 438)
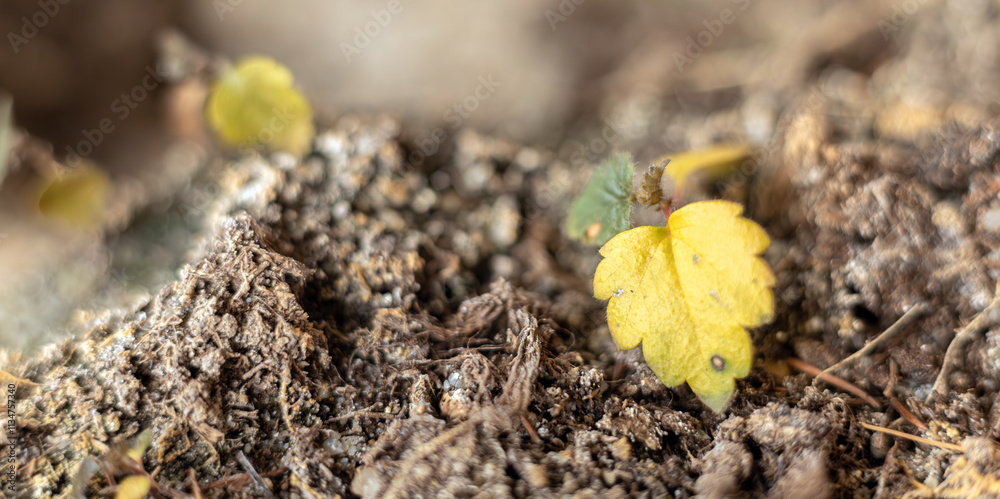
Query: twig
(227, 481)
(833, 380)
(247, 281)
(953, 357)
(894, 330)
(890, 387)
(906, 414)
(245, 463)
(249, 374)
(531, 430)
(434, 445)
(195, 490)
(943, 445)
(616, 375)
(239, 479)
(367, 412)
(887, 469)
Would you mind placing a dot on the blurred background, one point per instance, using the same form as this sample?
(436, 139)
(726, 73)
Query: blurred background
(117, 87)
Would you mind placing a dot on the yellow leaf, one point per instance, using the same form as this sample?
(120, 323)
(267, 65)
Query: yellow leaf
(686, 292)
(78, 197)
(139, 445)
(714, 162)
(255, 105)
(133, 487)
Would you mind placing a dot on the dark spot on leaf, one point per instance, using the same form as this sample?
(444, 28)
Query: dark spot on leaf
(696, 258)
(718, 363)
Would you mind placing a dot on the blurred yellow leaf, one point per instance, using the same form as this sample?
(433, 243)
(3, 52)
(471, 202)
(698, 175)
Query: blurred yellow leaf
(714, 162)
(139, 446)
(256, 105)
(133, 487)
(6, 130)
(686, 292)
(78, 197)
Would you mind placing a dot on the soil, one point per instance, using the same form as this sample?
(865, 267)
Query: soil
(356, 323)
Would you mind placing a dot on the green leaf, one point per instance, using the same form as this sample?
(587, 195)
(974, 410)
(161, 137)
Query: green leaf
(603, 208)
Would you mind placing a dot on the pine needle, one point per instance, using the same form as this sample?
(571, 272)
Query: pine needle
(833, 380)
(900, 434)
(894, 330)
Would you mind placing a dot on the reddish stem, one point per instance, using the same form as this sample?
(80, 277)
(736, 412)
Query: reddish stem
(667, 207)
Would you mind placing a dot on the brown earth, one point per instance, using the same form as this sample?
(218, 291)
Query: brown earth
(359, 323)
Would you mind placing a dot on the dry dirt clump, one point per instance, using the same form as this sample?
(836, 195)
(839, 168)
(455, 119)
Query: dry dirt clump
(213, 363)
(881, 230)
(313, 349)
(349, 330)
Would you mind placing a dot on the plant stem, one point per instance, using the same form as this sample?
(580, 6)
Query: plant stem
(667, 208)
